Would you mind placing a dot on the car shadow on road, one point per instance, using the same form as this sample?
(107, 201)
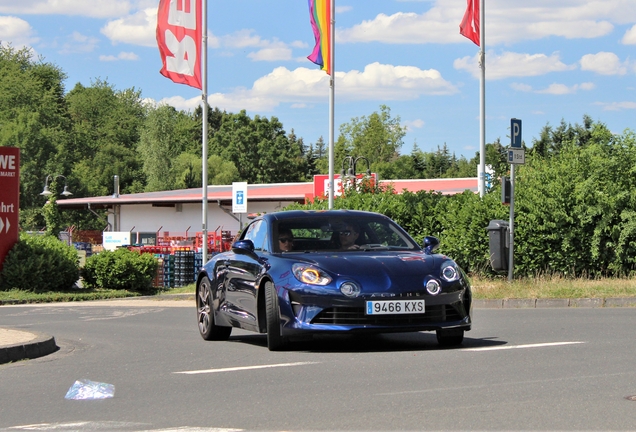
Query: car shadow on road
(389, 342)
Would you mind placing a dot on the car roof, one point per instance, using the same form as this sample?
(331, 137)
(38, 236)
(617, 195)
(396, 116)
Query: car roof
(296, 214)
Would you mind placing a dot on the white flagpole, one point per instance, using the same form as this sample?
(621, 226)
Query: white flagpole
(482, 98)
(204, 141)
(332, 94)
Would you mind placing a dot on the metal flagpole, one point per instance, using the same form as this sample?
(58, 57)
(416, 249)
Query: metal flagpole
(482, 98)
(204, 141)
(332, 94)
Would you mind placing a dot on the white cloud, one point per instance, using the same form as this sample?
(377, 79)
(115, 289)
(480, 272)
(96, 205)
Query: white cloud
(554, 89)
(414, 124)
(271, 54)
(562, 89)
(377, 82)
(92, 8)
(630, 36)
(78, 43)
(521, 87)
(137, 29)
(438, 25)
(508, 21)
(270, 50)
(121, 56)
(242, 39)
(604, 63)
(617, 106)
(343, 9)
(16, 31)
(509, 64)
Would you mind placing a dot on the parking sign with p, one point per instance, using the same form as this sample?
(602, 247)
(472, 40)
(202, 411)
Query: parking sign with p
(515, 133)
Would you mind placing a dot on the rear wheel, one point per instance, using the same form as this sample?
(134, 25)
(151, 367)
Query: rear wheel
(275, 340)
(450, 337)
(205, 314)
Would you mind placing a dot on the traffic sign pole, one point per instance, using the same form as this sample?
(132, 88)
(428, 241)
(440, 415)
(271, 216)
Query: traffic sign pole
(516, 156)
(511, 224)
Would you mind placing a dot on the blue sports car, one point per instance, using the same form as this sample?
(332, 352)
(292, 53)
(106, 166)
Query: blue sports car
(301, 273)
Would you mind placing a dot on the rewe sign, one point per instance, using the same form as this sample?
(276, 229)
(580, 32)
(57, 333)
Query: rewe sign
(179, 40)
(321, 183)
(9, 199)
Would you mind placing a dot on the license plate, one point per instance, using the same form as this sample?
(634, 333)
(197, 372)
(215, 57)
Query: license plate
(395, 307)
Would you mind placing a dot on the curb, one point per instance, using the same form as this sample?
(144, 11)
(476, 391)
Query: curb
(41, 346)
(554, 303)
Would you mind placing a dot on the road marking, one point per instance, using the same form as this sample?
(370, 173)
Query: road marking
(89, 425)
(234, 369)
(509, 347)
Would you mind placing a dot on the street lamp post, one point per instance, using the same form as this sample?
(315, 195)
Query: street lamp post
(351, 172)
(50, 211)
(47, 192)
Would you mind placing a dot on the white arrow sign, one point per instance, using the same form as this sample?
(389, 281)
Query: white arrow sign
(2, 225)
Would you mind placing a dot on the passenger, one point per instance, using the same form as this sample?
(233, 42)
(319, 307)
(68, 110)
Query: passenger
(348, 237)
(285, 240)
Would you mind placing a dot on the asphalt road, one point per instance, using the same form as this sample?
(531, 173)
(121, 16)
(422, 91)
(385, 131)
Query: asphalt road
(526, 369)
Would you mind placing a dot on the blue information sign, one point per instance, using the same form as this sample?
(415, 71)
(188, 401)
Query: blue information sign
(515, 133)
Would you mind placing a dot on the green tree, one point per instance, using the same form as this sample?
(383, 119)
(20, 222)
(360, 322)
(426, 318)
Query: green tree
(552, 140)
(259, 148)
(106, 126)
(33, 117)
(165, 134)
(221, 172)
(377, 137)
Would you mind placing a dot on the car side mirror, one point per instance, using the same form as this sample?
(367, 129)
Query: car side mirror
(245, 247)
(431, 244)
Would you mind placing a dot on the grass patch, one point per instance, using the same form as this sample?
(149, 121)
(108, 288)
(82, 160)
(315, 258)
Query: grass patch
(547, 287)
(21, 297)
(16, 296)
(499, 288)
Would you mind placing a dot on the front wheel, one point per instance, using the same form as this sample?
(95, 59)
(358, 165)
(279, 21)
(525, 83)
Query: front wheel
(450, 337)
(275, 340)
(205, 314)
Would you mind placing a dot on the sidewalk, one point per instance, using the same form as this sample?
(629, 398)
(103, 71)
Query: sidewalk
(16, 345)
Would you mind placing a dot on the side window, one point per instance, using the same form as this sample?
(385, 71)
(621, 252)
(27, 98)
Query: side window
(387, 236)
(257, 232)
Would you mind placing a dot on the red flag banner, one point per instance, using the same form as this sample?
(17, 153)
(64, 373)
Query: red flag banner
(470, 24)
(179, 40)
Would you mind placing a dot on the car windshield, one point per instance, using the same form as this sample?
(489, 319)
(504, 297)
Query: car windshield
(316, 233)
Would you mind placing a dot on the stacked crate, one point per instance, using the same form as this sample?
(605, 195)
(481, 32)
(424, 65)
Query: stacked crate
(183, 267)
(168, 271)
(158, 280)
(84, 246)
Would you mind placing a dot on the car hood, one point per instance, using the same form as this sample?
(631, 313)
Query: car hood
(381, 270)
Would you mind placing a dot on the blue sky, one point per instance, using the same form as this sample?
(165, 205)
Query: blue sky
(546, 60)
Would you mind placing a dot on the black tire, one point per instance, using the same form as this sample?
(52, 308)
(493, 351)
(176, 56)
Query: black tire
(275, 340)
(205, 314)
(450, 337)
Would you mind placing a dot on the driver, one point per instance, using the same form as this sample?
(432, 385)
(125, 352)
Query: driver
(285, 240)
(348, 236)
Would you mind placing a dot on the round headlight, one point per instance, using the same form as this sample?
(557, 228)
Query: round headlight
(449, 273)
(350, 289)
(310, 275)
(433, 287)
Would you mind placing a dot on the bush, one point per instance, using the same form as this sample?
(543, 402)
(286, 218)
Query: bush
(40, 264)
(120, 269)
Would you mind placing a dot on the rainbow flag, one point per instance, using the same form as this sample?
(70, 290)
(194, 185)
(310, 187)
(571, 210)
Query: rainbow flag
(320, 17)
